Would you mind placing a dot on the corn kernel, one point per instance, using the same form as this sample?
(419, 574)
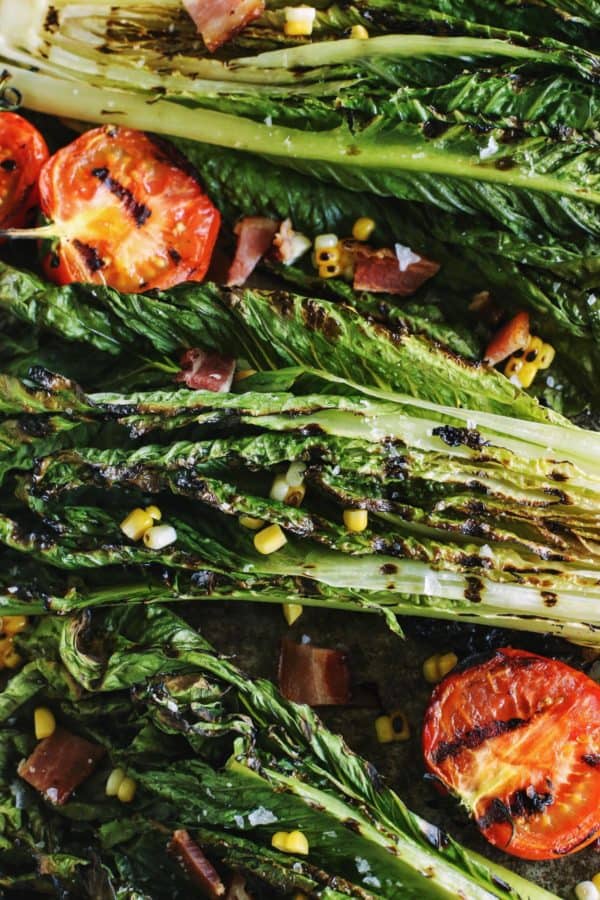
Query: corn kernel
(113, 782)
(6, 647)
(243, 373)
(546, 356)
(596, 881)
(326, 242)
(295, 474)
(13, 624)
(527, 373)
(12, 660)
(251, 522)
(135, 525)
(279, 488)
(44, 723)
(356, 520)
(159, 536)
(513, 366)
(390, 728)
(330, 270)
(126, 790)
(299, 21)
(437, 667)
(290, 842)
(154, 512)
(363, 228)
(292, 612)
(586, 890)
(269, 540)
(359, 33)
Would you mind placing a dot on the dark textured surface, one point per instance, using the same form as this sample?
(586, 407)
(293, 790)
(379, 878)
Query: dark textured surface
(389, 668)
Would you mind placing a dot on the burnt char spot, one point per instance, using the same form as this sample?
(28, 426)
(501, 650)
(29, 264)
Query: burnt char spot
(283, 303)
(353, 825)
(558, 476)
(435, 836)
(560, 495)
(52, 20)
(591, 759)
(9, 165)
(34, 426)
(139, 211)
(90, 255)
(501, 884)
(388, 569)
(434, 128)
(473, 590)
(204, 581)
(550, 598)
(175, 256)
(317, 319)
(526, 802)
(475, 737)
(454, 437)
(54, 260)
(506, 162)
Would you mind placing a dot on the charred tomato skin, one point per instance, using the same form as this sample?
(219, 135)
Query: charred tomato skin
(23, 152)
(128, 211)
(517, 739)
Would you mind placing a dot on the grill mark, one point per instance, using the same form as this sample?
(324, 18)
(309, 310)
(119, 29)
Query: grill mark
(9, 165)
(139, 211)
(592, 759)
(524, 803)
(90, 255)
(475, 737)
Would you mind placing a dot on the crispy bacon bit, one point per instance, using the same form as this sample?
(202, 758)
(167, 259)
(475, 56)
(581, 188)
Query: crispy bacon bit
(313, 675)
(59, 764)
(289, 245)
(511, 337)
(385, 271)
(220, 20)
(255, 235)
(200, 870)
(203, 371)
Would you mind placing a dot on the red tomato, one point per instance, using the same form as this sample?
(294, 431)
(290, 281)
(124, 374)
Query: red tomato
(128, 212)
(23, 152)
(517, 739)
(511, 337)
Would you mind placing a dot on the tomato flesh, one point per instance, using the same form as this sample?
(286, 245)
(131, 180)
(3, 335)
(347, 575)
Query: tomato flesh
(23, 152)
(517, 739)
(128, 211)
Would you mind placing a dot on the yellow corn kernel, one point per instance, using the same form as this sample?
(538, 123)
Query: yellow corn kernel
(363, 228)
(330, 270)
(12, 660)
(126, 790)
(356, 519)
(154, 512)
(527, 373)
(546, 356)
(290, 842)
(243, 373)
(114, 782)
(6, 647)
(437, 667)
(390, 728)
(359, 33)
(299, 21)
(13, 624)
(251, 522)
(136, 524)
(269, 540)
(513, 366)
(292, 612)
(533, 348)
(596, 881)
(44, 723)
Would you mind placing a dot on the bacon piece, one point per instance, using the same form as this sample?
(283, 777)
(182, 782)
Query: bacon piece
(385, 271)
(200, 870)
(314, 675)
(220, 20)
(255, 235)
(203, 371)
(511, 337)
(59, 764)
